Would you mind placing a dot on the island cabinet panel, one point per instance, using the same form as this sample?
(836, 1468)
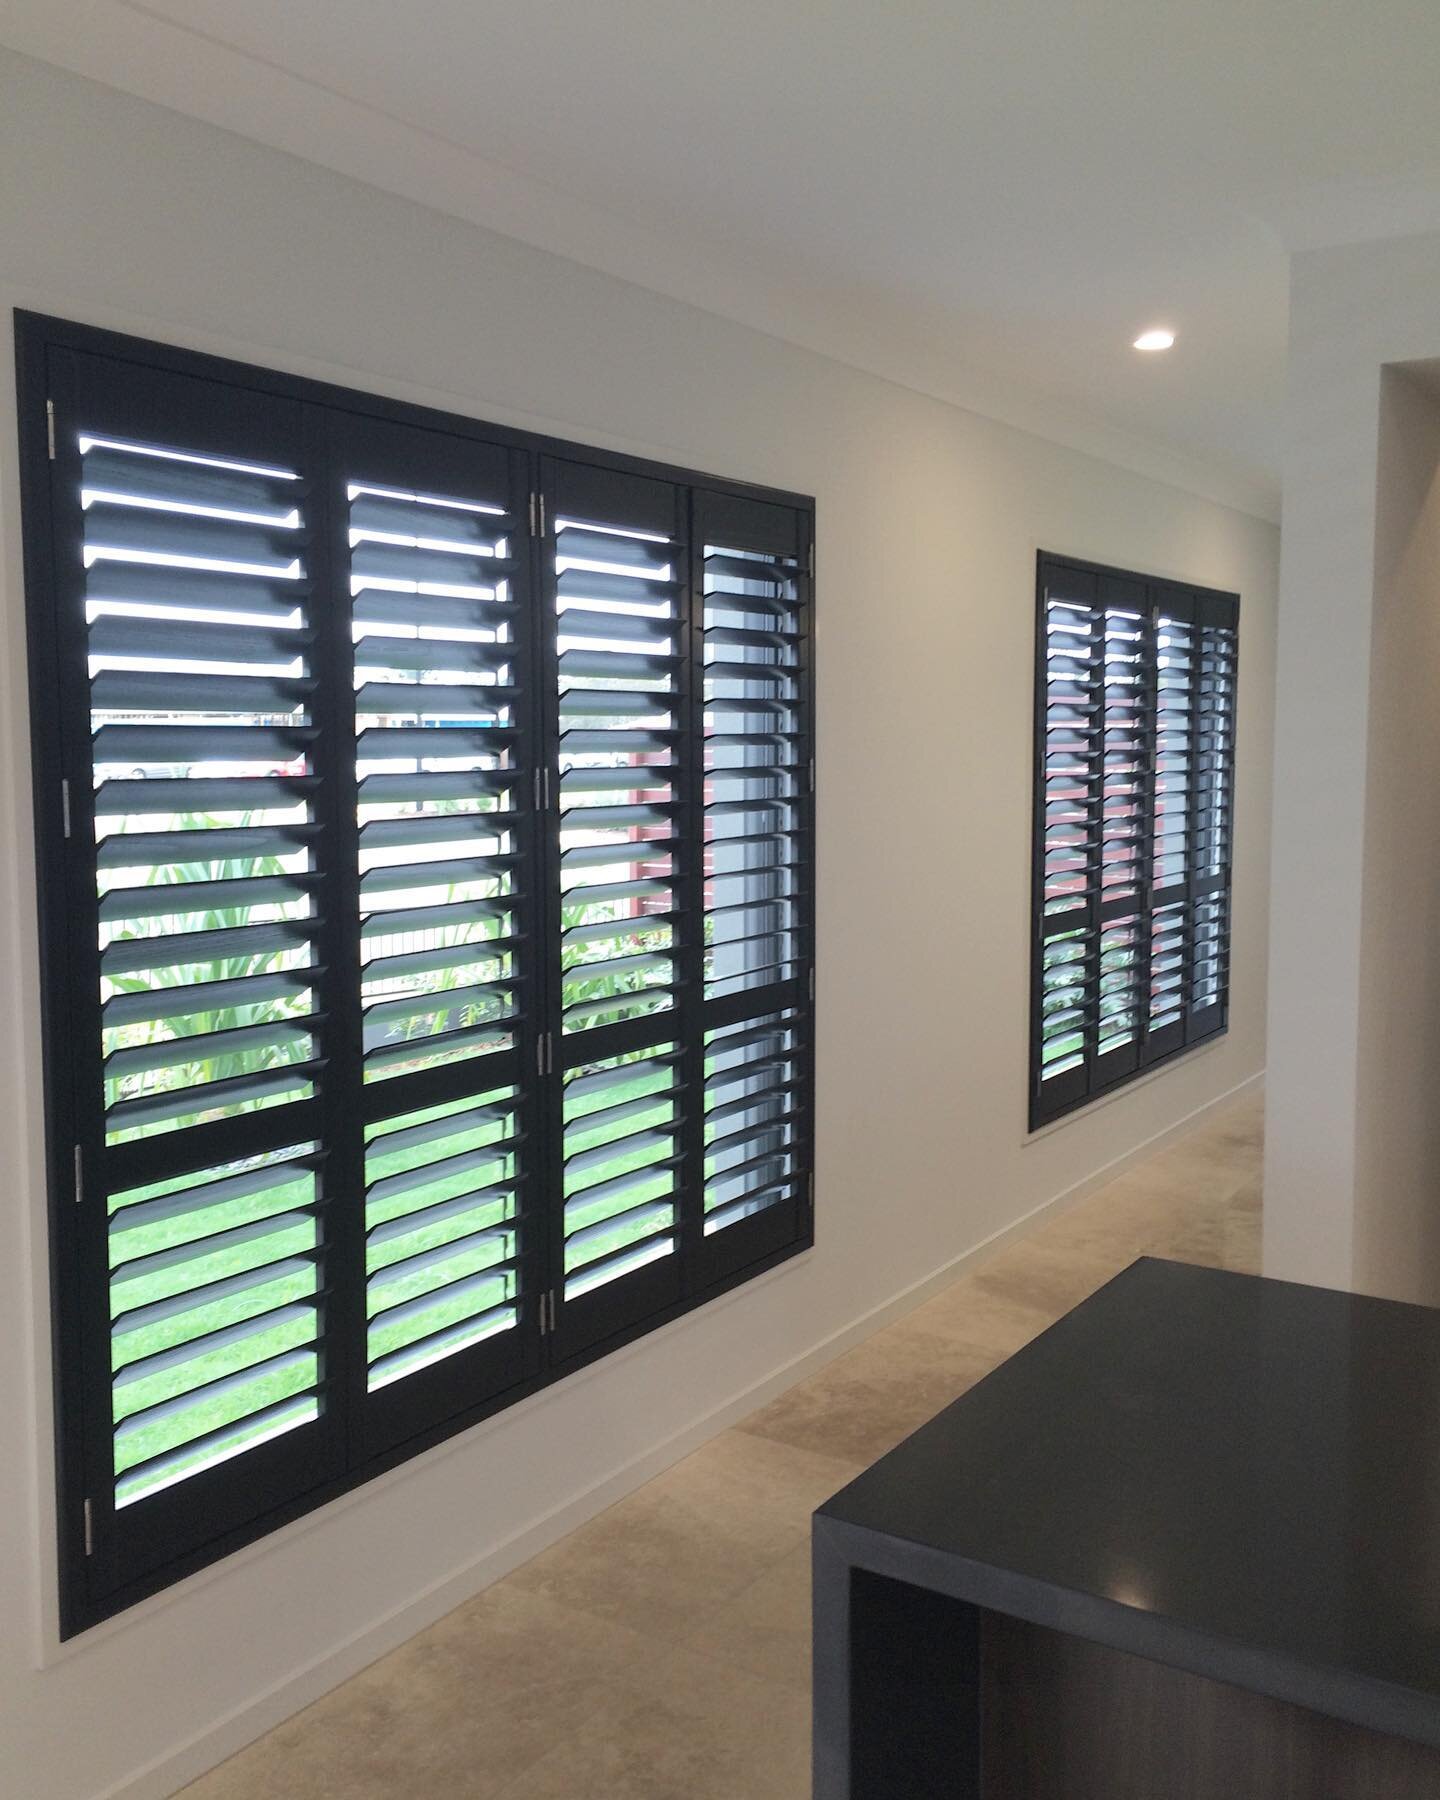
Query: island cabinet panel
(1180, 1547)
(1065, 1719)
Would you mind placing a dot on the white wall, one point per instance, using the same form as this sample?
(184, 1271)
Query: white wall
(1397, 1212)
(115, 212)
(1352, 1170)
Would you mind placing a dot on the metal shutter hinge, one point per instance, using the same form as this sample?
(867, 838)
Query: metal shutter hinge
(812, 559)
(812, 987)
(65, 803)
(547, 1313)
(540, 507)
(537, 788)
(811, 1187)
(50, 427)
(89, 1529)
(544, 1054)
(812, 774)
(79, 1176)
(533, 531)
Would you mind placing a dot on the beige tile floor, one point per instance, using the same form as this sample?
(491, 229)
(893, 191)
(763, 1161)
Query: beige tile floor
(661, 1651)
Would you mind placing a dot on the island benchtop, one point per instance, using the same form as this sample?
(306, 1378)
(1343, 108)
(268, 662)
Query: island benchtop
(1233, 1475)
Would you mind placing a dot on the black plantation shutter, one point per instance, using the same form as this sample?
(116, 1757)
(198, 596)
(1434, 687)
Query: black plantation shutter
(753, 562)
(681, 1028)
(201, 884)
(1134, 785)
(624, 937)
(444, 923)
(427, 925)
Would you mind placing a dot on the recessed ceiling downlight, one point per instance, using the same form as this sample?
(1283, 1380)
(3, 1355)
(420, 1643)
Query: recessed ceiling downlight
(1159, 339)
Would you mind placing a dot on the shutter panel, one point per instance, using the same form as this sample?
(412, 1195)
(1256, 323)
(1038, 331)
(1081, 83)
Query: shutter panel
(201, 879)
(1134, 783)
(621, 766)
(1127, 692)
(1171, 823)
(1070, 707)
(1212, 846)
(444, 916)
(758, 879)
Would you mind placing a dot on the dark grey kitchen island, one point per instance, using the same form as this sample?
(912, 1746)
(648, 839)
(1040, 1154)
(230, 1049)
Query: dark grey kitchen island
(1185, 1545)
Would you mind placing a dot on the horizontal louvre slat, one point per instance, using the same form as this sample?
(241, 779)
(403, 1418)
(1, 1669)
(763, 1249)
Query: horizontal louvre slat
(127, 470)
(247, 1432)
(255, 594)
(423, 1219)
(434, 1346)
(428, 519)
(403, 919)
(492, 1247)
(380, 744)
(141, 530)
(435, 828)
(445, 1042)
(422, 1004)
(120, 746)
(181, 949)
(470, 952)
(177, 640)
(205, 1047)
(493, 871)
(202, 844)
(198, 794)
(137, 1317)
(410, 786)
(162, 1361)
(144, 690)
(377, 562)
(434, 701)
(404, 611)
(487, 662)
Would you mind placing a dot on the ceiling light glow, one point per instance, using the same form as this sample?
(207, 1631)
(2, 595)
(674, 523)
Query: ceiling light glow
(1159, 339)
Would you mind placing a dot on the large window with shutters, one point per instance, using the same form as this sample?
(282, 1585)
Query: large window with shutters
(426, 878)
(1134, 827)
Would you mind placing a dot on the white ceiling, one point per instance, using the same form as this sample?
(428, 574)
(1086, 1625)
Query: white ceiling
(987, 199)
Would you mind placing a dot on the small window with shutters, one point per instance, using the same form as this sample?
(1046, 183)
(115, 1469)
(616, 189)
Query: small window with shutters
(1134, 802)
(426, 873)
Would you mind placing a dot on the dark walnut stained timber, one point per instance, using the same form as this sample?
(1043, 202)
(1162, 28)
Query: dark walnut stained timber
(1065, 1719)
(1187, 1543)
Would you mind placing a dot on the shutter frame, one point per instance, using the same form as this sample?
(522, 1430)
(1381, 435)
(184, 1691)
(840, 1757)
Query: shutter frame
(104, 1568)
(1198, 898)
